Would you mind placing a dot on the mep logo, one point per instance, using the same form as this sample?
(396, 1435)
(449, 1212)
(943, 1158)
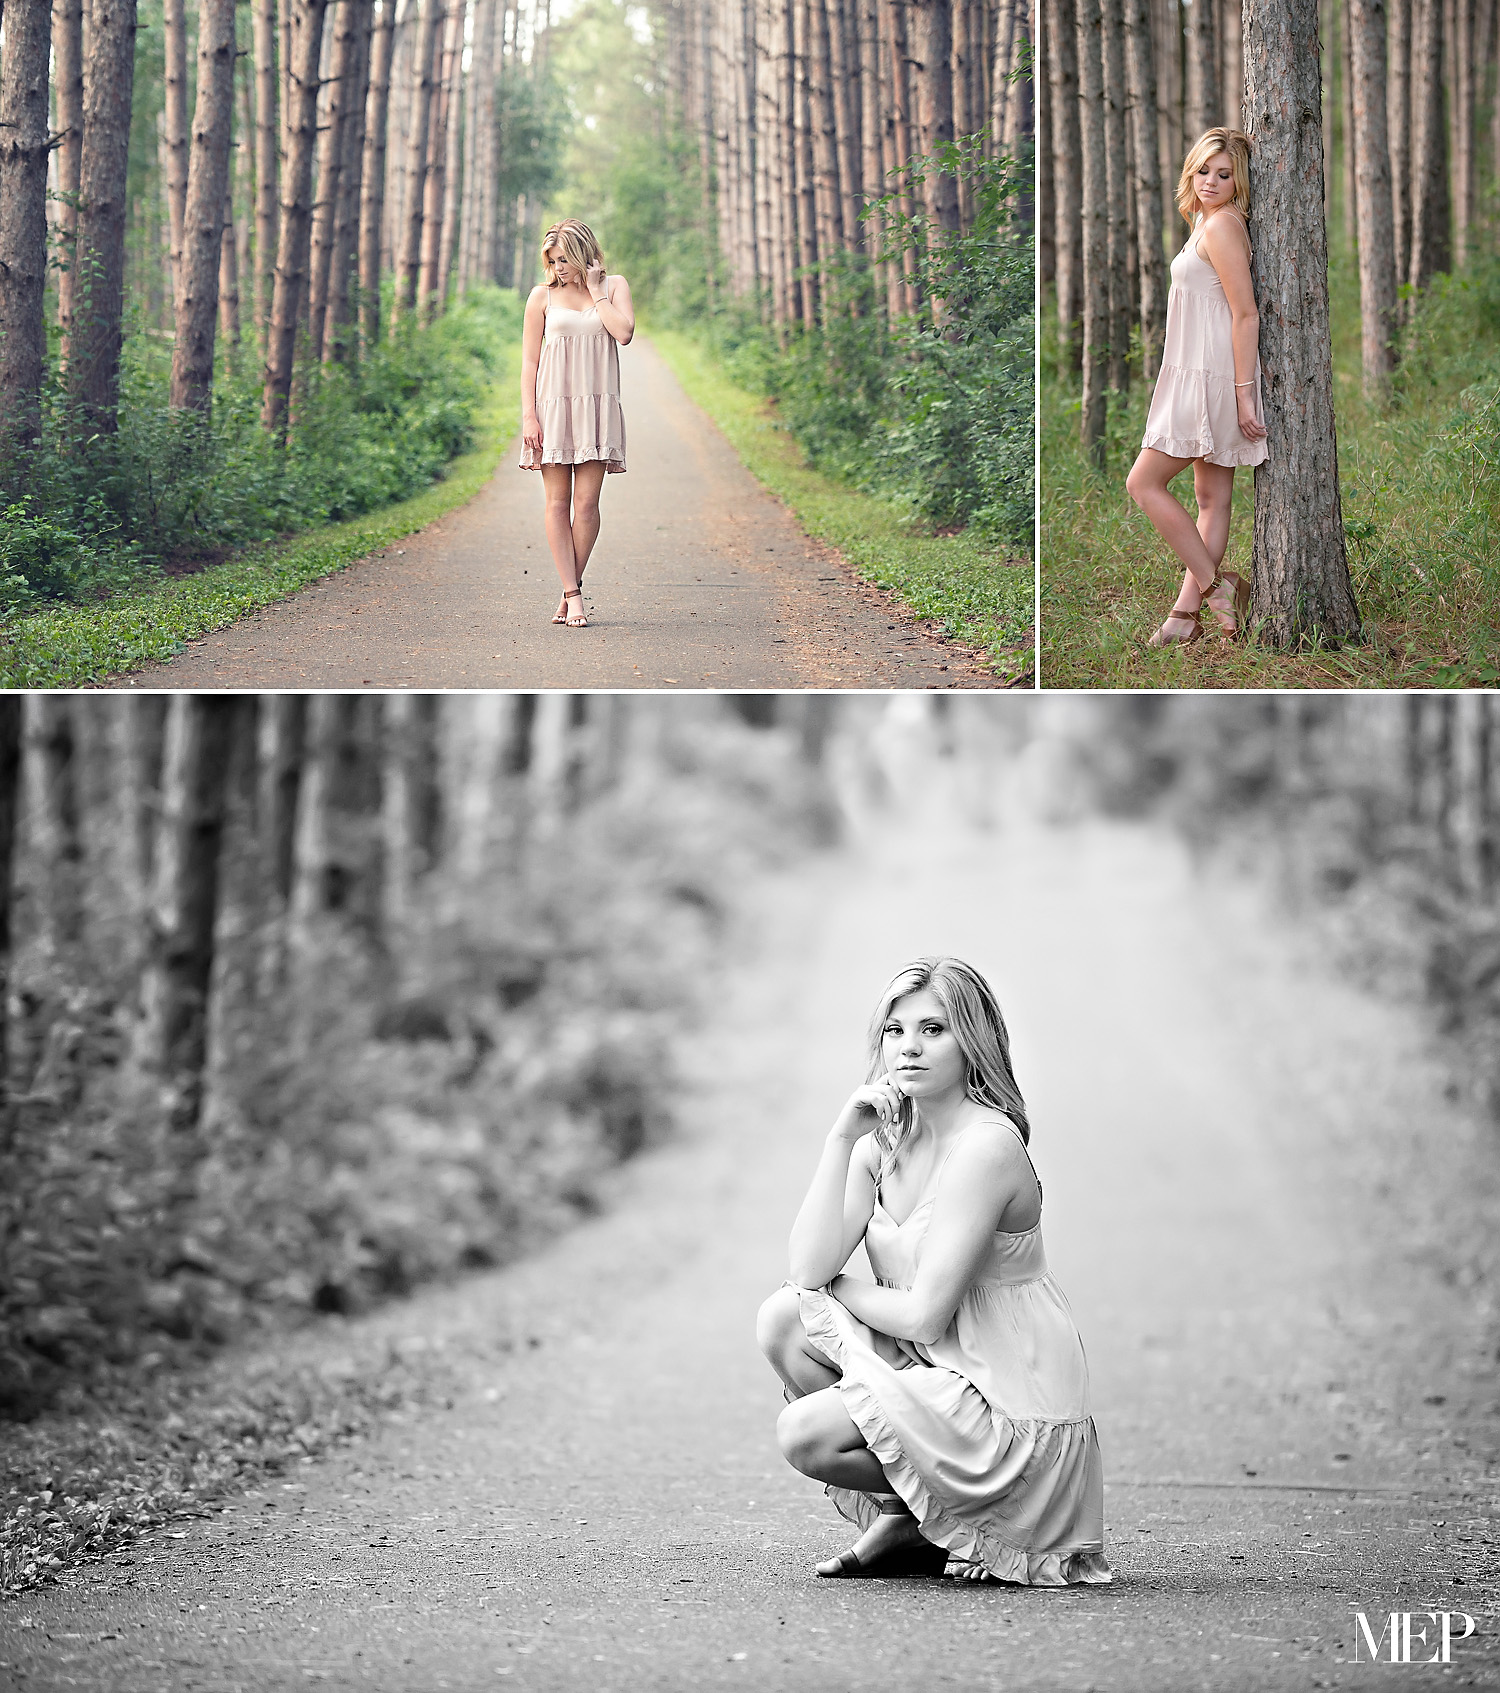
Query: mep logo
(1437, 1629)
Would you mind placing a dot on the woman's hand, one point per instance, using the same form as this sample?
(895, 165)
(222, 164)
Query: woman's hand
(531, 433)
(1250, 425)
(594, 279)
(876, 1102)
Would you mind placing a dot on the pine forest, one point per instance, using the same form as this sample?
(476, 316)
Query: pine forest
(1384, 569)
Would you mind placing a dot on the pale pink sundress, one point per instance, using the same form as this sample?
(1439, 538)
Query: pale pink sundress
(578, 392)
(1193, 413)
(986, 1433)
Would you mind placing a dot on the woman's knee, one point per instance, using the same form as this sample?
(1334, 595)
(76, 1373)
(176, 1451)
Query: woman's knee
(778, 1324)
(586, 508)
(1138, 483)
(802, 1440)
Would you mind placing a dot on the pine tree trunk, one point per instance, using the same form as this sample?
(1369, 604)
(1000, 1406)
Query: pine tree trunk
(418, 121)
(478, 118)
(92, 356)
(1430, 247)
(1095, 236)
(67, 79)
(808, 222)
(296, 213)
(1398, 126)
(340, 96)
(229, 284)
(1019, 121)
(338, 321)
(932, 53)
(1203, 104)
(453, 136)
(872, 180)
(1462, 88)
(1231, 67)
(1141, 73)
(267, 132)
(1067, 150)
(825, 135)
(1046, 232)
(1121, 184)
(23, 220)
(845, 67)
(372, 199)
(175, 126)
(786, 147)
(1377, 252)
(196, 308)
(170, 1042)
(1301, 576)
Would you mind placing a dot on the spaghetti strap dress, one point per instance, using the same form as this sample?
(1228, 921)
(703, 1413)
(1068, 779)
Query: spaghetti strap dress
(985, 1433)
(1193, 413)
(578, 393)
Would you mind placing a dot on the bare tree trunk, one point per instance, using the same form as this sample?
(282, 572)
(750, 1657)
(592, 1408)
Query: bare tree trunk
(1430, 248)
(898, 137)
(1377, 252)
(296, 212)
(1462, 86)
(229, 284)
(932, 51)
(479, 117)
(1046, 190)
(175, 123)
(1141, 72)
(434, 180)
(1203, 104)
(92, 355)
(1346, 108)
(196, 308)
(170, 1042)
(1067, 149)
(787, 133)
(10, 784)
(419, 123)
(846, 118)
(1232, 70)
(1398, 125)
(963, 116)
(1301, 576)
(341, 94)
(338, 321)
(825, 135)
(283, 743)
(1095, 240)
(809, 225)
(1121, 183)
(453, 134)
(23, 220)
(67, 58)
(372, 200)
(267, 130)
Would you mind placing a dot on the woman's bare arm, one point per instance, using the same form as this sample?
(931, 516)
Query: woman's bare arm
(1226, 246)
(533, 328)
(839, 1204)
(986, 1172)
(616, 308)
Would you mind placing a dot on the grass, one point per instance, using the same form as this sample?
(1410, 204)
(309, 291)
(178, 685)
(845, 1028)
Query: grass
(975, 594)
(69, 646)
(1419, 493)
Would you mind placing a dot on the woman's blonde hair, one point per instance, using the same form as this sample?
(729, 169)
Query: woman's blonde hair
(577, 244)
(1231, 141)
(974, 1016)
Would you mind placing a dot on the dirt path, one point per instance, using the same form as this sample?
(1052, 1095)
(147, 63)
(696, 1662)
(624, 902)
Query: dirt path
(607, 1509)
(700, 579)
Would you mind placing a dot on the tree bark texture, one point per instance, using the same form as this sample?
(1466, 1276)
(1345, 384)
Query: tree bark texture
(267, 160)
(196, 307)
(1430, 244)
(418, 125)
(339, 95)
(23, 219)
(338, 321)
(1067, 148)
(372, 201)
(1301, 576)
(175, 126)
(932, 48)
(1398, 128)
(1118, 194)
(1203, 103)
(92, 355)
(1095, 236)
(296, 213)
(1140, 61)
(1377, 251)
(67, 81)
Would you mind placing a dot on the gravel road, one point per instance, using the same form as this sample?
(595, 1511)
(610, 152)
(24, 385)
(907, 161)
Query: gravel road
(700, 579)
(1296, 1414)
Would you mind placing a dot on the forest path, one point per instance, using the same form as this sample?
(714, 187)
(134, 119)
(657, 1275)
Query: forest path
(606, 1510)
(700, 578)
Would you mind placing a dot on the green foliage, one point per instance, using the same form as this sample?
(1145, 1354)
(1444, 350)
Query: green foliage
(169, 487)
(1420, 490)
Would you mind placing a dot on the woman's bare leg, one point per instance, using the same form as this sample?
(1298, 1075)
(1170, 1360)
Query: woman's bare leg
(588, 479)
(1147, 486)
(778, 1328)
(1213, 487)
(557, 480)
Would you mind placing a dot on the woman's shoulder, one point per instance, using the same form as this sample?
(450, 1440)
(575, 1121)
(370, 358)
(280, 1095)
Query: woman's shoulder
(538, 295)
(1227, 230)
(991, 1140)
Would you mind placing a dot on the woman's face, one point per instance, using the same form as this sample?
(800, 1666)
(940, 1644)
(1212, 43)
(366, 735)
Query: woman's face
(562, 269)
(1214, 181)
(920, 1050)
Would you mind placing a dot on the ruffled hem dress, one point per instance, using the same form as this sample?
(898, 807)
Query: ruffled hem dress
(578, 393)
(985, 1433)
(1193, 413)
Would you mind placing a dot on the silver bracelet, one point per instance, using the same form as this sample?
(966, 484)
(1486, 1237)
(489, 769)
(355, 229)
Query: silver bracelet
(1249, 384)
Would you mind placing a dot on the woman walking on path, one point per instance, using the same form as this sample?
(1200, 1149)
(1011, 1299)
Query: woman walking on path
(1206, 410)
(572, 424)
(946, 1407)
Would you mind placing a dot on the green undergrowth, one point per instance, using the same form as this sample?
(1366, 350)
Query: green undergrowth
(63, 645)
(1420, 489)
(971, 589)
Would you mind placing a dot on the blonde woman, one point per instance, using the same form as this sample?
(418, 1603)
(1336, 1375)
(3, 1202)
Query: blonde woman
(946, 1405)
(572, 424)
(1206, 411)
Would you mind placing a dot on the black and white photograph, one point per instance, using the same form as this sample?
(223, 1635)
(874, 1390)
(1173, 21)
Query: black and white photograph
(776, 1191)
